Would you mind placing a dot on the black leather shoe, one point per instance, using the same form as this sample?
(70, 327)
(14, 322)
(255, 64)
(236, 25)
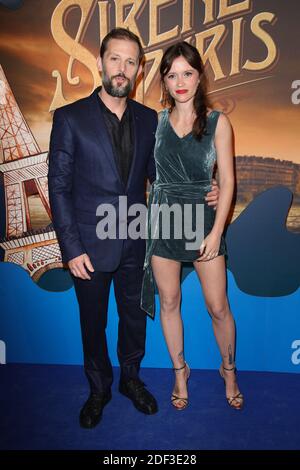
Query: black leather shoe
(91, 412)
(135, 390)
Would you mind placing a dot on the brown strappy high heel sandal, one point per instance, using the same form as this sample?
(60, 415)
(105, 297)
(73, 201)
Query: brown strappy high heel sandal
(175, 398)
(236, 401)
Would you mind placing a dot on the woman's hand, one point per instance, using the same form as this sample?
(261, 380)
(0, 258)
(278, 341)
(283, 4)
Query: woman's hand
(210, 246)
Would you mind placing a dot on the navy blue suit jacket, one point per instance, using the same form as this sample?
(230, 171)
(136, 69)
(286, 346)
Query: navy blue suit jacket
(83, 174)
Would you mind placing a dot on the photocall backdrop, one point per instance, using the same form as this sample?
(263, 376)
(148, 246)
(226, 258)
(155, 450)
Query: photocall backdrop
(250, 50)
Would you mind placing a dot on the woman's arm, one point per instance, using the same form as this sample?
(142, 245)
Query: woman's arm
(224, 148)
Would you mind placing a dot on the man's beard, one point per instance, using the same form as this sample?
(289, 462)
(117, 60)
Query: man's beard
(121, 91)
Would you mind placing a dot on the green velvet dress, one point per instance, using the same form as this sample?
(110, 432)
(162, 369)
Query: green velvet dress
(184, 169)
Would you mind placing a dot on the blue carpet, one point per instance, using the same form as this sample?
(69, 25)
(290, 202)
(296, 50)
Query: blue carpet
(40, 405)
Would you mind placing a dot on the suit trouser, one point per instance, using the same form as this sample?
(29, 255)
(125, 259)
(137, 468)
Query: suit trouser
(93, 296)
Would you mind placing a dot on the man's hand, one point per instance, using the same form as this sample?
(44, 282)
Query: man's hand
(212, 197)
(77, 266)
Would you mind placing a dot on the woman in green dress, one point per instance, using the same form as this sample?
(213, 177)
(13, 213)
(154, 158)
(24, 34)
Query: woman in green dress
(191, 140)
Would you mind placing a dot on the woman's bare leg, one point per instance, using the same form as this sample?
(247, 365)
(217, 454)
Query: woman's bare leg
(167, 277)
(212, 275)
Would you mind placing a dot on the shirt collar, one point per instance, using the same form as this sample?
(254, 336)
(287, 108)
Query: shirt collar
(107, 110)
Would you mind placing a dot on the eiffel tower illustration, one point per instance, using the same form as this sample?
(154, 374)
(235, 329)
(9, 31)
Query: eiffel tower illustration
(30, 239)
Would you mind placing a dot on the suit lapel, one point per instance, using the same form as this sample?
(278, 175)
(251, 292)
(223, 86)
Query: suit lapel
(97, 125)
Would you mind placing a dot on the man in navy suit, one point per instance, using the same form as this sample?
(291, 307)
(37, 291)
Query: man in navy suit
(101, 148)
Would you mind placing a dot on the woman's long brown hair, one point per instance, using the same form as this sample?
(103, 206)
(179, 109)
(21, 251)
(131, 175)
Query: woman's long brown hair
(192, 56)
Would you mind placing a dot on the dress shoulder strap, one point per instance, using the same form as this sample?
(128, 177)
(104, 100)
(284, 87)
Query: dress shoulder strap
(162, 114)
(212, 120)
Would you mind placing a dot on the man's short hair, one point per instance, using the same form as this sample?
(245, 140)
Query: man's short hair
(121, 33)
